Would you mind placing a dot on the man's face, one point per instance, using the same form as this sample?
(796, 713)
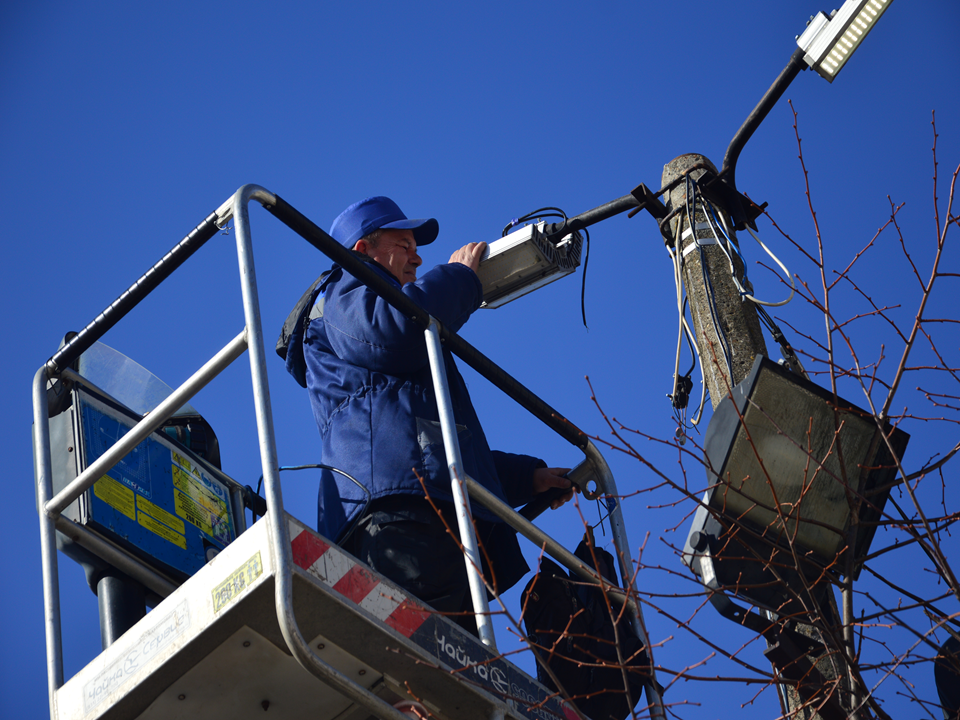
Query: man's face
(396, 250)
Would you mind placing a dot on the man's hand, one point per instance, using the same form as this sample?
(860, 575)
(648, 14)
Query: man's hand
(469, 255)
(547, 478)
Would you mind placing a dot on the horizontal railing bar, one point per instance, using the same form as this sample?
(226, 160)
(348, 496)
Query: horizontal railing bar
(96, 329)
(113, 555)
(142, 429)
(542, 540)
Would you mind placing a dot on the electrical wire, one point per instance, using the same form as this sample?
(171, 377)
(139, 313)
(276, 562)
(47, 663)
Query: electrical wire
(793, 285)
(684, 328)
(583, 280)
(789, 355)
(746, 288)
(788, 352)
(684, 331)
(357, 517)
(536, 214)
(723, 239)
(691, 204)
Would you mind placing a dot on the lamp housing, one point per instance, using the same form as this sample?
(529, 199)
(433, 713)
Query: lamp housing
(524, 261)
(785, 460)
(828, 42)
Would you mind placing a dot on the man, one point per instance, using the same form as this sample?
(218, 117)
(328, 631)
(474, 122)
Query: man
(366, 368)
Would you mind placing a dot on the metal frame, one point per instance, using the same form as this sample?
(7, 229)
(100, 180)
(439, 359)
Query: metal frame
(251, 338)
(461, 501)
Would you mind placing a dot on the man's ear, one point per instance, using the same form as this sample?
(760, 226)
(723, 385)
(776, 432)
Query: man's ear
(362, 246)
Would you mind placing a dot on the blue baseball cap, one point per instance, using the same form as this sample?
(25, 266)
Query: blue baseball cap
(379, 213)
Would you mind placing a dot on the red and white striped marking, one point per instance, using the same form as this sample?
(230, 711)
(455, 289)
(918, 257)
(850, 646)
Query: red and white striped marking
(341, 572)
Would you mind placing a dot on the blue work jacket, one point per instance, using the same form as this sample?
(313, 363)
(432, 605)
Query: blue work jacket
(370, 386)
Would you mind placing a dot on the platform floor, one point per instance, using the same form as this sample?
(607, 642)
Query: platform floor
(213, 649)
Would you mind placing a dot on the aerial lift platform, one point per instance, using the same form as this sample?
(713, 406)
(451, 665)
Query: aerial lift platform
(274, 618)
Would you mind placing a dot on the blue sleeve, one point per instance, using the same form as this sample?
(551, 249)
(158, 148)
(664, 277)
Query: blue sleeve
(516, 476)
(364, 330)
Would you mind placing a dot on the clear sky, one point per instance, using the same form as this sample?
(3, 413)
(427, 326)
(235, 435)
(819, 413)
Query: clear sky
(125, 124)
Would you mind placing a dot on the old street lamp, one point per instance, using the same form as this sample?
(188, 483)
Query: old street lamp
(791, 469)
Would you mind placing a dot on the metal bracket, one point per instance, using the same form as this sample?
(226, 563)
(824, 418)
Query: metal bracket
(648, 201)
(742, 209)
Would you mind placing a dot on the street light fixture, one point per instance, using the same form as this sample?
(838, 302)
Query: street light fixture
(825, 45)
(798, 480)
(524, 261)
(791, 469)
(829, 42)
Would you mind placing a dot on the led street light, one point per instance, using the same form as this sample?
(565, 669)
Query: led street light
(523, 261)
(829, 42)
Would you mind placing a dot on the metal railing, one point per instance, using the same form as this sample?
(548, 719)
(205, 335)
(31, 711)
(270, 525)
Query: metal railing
(593, 472)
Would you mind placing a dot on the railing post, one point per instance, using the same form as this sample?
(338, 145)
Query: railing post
(471, 553)
(48, 537)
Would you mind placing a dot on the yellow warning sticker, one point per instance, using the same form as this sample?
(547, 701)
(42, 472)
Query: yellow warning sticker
(158, 513)
(180, 460)
(116, 495)
(188, 508)
(186, 484)
(162, 530)
(201, 500)
(184, 463)
(212, 520)
(238, 581)
(181, 479)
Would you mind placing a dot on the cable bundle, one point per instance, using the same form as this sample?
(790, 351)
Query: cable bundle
(722, 236)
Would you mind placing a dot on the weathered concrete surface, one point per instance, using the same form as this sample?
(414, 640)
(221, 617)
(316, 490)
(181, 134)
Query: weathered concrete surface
(736, 317)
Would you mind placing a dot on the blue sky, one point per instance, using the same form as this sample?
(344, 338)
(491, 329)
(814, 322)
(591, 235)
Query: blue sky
(125, 124)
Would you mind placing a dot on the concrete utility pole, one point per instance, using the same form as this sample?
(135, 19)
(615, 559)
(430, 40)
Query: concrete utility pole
(716, 304)
(737, 319)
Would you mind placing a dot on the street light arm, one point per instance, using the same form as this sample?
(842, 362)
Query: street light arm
(793, 68)
(643, 198)
(640, 198)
